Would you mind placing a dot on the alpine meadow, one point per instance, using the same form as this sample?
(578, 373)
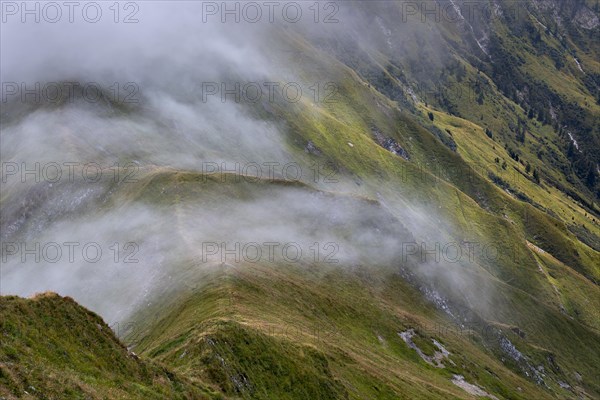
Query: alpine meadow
(347, 199)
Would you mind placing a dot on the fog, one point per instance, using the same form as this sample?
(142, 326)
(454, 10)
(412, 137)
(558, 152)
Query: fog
(167, 55)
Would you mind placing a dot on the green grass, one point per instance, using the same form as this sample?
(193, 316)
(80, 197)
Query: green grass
(280, 331)
(53, 348)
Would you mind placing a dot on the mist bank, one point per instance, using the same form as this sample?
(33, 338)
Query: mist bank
(117, 243)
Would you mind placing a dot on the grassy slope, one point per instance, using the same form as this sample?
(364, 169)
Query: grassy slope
(231, 323)
(52, 348)
(543, 148)
(265, 303)
(275, 331)
(251, 300)
(342, 326)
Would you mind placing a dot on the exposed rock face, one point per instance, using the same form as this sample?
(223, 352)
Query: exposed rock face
(438, 356)
(475, 390)
(390, 145)
(585, 17)
(312, 149)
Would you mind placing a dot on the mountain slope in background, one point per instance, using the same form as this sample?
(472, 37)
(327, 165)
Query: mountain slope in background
(446, 213)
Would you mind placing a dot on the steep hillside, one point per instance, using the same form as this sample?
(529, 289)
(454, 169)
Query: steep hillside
(422, 223)
(52, 348)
